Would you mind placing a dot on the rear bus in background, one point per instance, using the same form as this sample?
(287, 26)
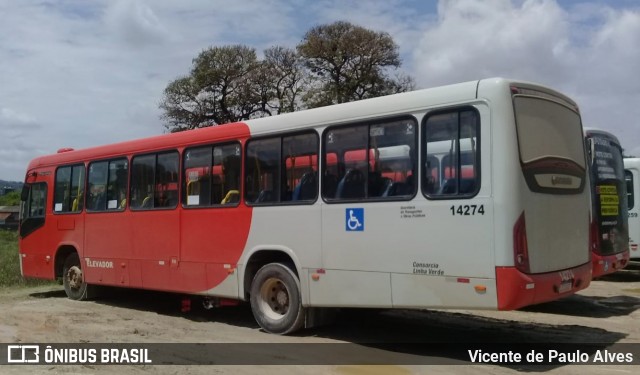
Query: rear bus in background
(609, 222)
(472, 195)
(632, 178)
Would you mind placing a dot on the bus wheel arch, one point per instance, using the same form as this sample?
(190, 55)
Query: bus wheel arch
(276, 299)
(272, 286)
(259, 259)
(72, 275)
(61, 255)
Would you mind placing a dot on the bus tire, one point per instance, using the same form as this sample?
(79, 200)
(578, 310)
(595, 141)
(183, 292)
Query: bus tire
(72, 278)
(276, 302)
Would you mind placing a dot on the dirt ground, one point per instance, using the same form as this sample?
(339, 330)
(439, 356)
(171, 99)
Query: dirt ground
(608, 312)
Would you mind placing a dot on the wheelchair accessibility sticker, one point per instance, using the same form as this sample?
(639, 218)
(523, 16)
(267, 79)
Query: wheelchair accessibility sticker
(354, 219)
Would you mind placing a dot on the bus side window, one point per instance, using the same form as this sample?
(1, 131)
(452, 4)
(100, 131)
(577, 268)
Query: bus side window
(107, 184)
(154, 181)
(196, 176)
(451, 162)
(32, 214)
(68, 196)
(226, 170)
(263, 170)
(370, 161)
(301, 165)
(97, 182)
(275, 168)
(211, 175)
(166, 180)
(142, 180)
(117, 185)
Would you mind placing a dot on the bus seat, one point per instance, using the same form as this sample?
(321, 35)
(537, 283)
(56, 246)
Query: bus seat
(100, 202)
(147, 202)
(399, 188)
(396, 188)
(377, 184)
(265, 196)
(467, 186)
(306, 188)
(172, 198)
(409, 183)
(429, 184)
(351, 185)
(449, 187)
(329, 185)
(387, 187)
(162, 200)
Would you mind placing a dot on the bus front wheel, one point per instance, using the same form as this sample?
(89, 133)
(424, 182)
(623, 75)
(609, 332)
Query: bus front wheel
(275, 299)
(72, 278)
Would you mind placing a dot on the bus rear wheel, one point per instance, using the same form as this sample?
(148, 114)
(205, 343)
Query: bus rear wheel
(275, 299)
(72, 278)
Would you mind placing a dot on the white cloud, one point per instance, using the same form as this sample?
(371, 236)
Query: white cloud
(473, 39)
(11, 119)
(15, 126)
(588, 51)
(94, 72)
(135, 23)
(18, 137)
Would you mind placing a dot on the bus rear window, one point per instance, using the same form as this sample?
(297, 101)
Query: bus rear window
(551, 145)
(547, 129)
(606, 156)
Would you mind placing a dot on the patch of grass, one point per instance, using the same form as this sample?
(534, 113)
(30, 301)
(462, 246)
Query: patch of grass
(10, 262)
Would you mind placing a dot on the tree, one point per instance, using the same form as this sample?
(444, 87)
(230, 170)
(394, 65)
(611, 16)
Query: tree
(229, 84)
(334, 63)
(350, 63)
(289, 79)
(183, 107)
(10, 199)
(220, 89)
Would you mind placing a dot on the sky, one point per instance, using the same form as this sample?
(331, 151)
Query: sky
(77, 73)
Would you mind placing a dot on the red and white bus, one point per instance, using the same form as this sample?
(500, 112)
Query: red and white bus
(609, 217)
(472, 195)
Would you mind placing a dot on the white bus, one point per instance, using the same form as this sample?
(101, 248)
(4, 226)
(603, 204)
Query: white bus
(632, 177)
(472, 195)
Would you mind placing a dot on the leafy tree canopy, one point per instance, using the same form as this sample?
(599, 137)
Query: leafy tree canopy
(350, 63)
(334, 63)
(10, 199)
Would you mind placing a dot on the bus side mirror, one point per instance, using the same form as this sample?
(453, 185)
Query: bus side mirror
(26, 189)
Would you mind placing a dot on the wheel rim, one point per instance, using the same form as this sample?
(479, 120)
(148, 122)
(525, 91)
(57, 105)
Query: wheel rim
(74, 277)
(274, 299)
